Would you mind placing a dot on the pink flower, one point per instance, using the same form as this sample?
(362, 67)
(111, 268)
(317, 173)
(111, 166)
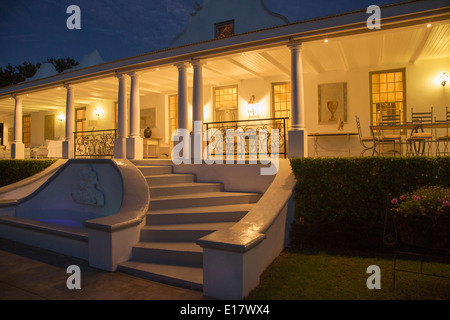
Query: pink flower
(394, 201)
(446, 204)
(402, 197)
(416, 198)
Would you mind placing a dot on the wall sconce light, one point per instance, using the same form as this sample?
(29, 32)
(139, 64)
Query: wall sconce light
(252, 107)
(98, 113)
(60, 117)
(444, 79)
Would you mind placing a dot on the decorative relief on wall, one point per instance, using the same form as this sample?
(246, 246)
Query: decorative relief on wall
(332, 103)
(87, 193)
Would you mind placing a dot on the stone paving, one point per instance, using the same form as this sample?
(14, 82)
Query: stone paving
(29, 273)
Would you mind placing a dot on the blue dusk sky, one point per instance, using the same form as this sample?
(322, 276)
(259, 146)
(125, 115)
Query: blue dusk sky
(34, 30)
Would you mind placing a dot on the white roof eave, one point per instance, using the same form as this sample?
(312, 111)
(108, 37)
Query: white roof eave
(393, 16)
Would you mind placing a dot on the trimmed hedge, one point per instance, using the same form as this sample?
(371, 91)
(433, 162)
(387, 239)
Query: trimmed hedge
(15, 170)
(341, 202)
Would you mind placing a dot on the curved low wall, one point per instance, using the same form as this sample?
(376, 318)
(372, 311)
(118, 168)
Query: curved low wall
(112, 238)
(234, 258)
(108, 197)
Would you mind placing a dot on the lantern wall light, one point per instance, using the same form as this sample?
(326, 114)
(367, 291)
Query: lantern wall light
(98, 113)
(252, 107)
(444, 79)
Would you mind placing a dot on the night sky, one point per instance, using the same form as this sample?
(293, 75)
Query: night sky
(34, 30)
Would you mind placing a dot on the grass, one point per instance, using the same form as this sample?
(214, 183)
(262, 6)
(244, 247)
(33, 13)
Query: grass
(311, 275)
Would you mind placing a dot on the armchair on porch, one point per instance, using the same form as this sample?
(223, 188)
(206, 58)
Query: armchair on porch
(367, 142)
(445, 131)
(420, 137)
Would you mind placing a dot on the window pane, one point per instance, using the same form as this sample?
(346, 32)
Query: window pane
(376, 78)
(391, 77)
(376, 88)
(391, 87)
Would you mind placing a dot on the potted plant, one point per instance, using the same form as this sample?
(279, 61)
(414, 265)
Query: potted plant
(422, 217)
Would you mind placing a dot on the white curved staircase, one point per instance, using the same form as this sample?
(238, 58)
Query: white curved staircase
(180, 212)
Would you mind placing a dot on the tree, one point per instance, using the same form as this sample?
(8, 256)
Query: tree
(11, 75)
(63, 64)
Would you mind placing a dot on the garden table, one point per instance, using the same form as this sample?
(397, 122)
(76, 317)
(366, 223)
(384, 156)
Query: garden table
(418, 147)
(331, 134)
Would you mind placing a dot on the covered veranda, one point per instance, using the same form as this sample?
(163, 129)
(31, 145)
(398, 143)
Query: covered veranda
(121, 96)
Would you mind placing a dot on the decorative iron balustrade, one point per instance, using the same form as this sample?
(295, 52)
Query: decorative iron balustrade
(94, 144)
(247, 138)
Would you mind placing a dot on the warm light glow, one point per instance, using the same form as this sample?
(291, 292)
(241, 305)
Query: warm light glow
(98, 112)
(326, 40)
(60, 117)
(428, 25)
(444, 79)
(252, 107)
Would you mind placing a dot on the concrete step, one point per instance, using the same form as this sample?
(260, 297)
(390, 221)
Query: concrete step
(152, 162)
(188, 277)
(174, 253)
(180, 232)
(184, 188)
(155, 170)
(163, 179)
(225, 213)
(180, 212)
(202, 199)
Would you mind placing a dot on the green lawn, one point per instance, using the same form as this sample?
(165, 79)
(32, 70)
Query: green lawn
(335, 276)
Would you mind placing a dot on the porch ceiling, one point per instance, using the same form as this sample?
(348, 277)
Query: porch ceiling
(375, 49)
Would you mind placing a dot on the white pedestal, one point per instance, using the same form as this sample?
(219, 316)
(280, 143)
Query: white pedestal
(120, 148)
(67, 149)
(17, 150)
(135, 146)
(297, 144)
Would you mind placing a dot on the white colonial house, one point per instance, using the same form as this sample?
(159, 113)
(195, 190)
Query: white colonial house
(237, 65)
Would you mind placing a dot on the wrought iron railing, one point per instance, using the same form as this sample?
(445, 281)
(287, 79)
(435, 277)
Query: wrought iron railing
(247, 138)
(94, 144)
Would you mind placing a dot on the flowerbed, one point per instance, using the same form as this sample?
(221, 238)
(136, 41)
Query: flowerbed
(422, 217)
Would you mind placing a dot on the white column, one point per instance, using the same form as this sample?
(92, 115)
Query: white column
(297, 136)
(183, 140)
(197, 112)
(135, 144)
(120, 142)
(18, 148)
(68, 144)
(182, 96)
